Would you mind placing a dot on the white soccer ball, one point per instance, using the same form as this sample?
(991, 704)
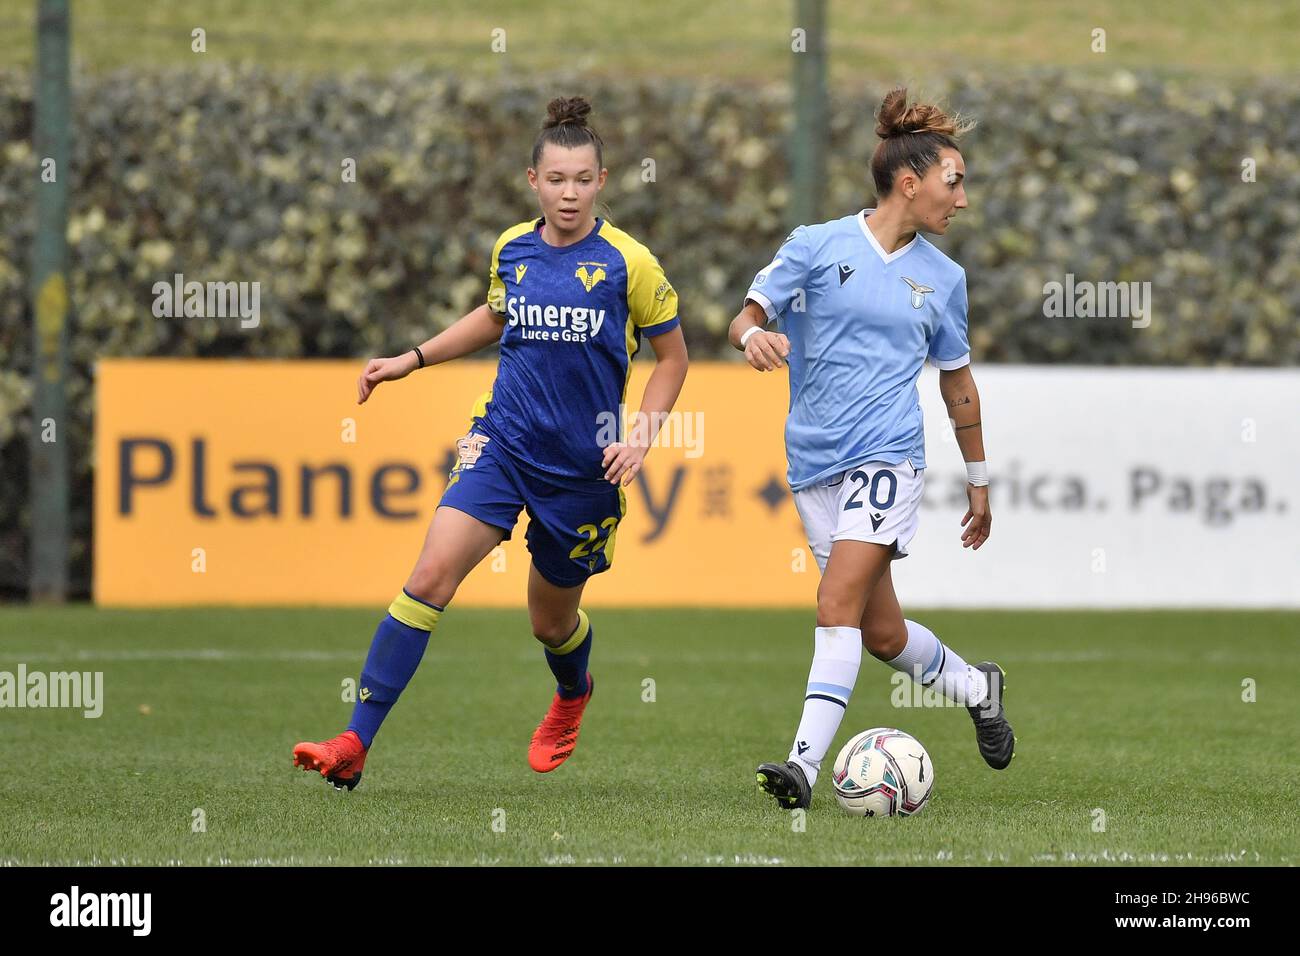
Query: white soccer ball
(883, 772)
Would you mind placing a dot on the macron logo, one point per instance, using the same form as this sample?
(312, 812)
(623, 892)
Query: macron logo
(102, 909)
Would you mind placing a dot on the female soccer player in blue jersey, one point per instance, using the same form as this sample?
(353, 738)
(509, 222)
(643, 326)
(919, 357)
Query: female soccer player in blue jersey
(861, 303)
(569, 298)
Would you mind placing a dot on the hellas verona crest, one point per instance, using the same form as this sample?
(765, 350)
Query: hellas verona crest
(590, 278)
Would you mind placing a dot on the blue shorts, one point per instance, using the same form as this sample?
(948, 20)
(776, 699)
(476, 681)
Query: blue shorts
(571, 522)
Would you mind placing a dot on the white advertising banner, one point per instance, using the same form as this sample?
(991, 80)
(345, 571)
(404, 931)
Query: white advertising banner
(1117, 488)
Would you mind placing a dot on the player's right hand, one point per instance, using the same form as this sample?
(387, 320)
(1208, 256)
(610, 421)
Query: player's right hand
(978, 522)
(384, 370)
(767, 350)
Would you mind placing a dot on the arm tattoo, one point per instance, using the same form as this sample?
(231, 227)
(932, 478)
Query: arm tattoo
(964, 400)
(971, 425)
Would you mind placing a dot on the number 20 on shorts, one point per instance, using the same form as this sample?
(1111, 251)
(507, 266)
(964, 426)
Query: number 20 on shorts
(878, 501)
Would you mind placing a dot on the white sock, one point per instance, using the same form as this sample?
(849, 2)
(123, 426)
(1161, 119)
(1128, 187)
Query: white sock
(932, 664)
(836, 657)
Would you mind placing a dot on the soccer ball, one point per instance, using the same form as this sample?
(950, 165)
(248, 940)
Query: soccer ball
(883, 772)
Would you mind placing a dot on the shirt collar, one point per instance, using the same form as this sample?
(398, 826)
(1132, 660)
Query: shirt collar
(885, 257)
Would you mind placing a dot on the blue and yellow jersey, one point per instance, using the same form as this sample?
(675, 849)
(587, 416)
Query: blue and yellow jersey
(574, 319)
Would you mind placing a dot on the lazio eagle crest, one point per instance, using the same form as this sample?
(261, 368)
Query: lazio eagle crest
(919, 292)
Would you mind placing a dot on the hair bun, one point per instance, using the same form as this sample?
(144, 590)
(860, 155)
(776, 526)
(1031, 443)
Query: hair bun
(896, 117)
(566, 111)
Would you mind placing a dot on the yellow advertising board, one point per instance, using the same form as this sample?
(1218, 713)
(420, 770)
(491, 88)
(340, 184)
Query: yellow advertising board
(263, 482)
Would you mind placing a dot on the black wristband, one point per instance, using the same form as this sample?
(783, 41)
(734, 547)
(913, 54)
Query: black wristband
(419, 355)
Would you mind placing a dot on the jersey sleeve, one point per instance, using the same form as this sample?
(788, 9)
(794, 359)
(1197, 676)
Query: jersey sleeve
(949, 348)
(496, 294)
(651, 298)
(778, 286)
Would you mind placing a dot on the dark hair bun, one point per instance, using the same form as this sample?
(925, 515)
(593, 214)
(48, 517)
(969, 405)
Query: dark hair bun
(566, 111)
(566, 126)
(896, 117)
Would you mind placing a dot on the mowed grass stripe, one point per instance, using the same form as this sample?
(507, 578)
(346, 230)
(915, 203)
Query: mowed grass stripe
(1138, 715)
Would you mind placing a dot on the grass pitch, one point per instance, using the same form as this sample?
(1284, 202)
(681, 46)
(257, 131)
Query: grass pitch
(1137, 716)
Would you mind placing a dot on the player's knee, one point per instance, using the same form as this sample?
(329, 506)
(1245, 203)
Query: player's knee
(552, 631)
(556, 628)
(435, 584)
(836, 610)
(884, 641)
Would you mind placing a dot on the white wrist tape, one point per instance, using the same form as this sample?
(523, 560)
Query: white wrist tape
(748, 334)
(977, 473)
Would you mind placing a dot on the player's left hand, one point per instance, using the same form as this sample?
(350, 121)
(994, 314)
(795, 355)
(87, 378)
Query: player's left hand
(622, 462)
(978, 515)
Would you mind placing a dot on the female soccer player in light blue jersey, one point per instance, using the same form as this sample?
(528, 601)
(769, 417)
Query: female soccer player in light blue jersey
(861, 303)
(569, 299)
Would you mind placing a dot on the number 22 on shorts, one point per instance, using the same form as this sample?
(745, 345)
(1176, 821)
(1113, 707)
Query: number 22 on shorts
(606, 544)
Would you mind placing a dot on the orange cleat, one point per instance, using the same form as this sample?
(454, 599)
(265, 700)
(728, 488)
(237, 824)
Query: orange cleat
(557, 734)
(339, 760)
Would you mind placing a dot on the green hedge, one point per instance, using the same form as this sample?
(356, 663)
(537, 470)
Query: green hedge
(235, 175)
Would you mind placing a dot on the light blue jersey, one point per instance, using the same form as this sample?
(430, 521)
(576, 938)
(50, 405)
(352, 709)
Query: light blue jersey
(861, 323)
